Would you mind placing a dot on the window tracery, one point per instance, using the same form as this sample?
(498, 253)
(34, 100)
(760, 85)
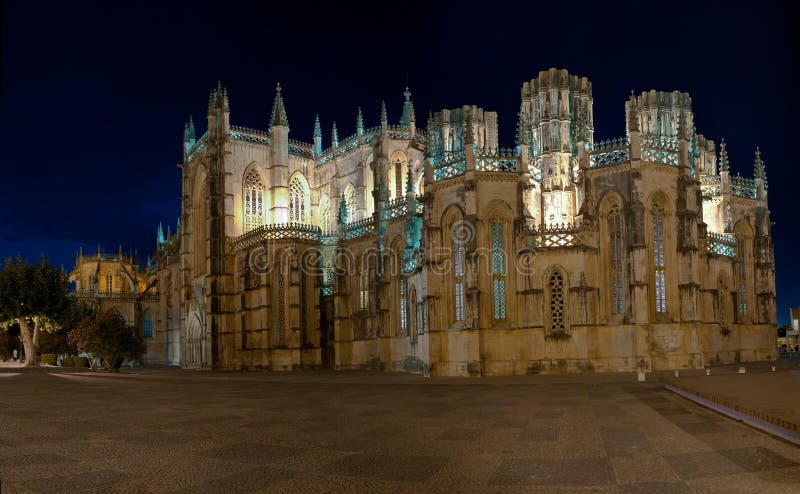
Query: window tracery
(253, 201)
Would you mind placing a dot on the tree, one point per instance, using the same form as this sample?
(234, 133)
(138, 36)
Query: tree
(37, 297)
(107, 337)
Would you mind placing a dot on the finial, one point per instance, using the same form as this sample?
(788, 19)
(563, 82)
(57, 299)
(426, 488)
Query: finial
(317, 127)
(759, 171)
(384, 117)
(178, 227)
(408, 109)
(360, 122)
(335, 135)
(342, 211)
(160, 234)
(278, 109)
(723, 156)
(412, 117)
(189, 135)
(430, 120)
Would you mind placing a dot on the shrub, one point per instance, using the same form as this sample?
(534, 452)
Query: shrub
(47, 358)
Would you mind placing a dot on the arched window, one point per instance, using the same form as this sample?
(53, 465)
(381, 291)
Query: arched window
(298, 196)
(325, 213)
(363, 286)
(253, 200)
(498, 271)
(403, 306)
(616, 259)
(148, 324)
(658, 260)
(350, 202)
(398, 178)
(109, 282)
(413, 324)
(458, 265)
(556, 286)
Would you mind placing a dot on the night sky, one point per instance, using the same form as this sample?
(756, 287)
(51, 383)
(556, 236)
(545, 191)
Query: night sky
(94, 96)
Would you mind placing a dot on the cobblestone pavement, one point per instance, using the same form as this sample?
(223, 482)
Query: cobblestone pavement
(182, 431)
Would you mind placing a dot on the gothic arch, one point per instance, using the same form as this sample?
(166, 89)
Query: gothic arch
(398, 174)
(351, 205)
(254, 195)
(195, 342)
(499, 239)
(457, 236)
(299, 199)
(659, 239)
(324, 213)
(613, 255)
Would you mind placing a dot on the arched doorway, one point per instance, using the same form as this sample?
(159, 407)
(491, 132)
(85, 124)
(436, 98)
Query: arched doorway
(195, 343)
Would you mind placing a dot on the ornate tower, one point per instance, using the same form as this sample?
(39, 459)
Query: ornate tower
(554, 107)
(279, 169)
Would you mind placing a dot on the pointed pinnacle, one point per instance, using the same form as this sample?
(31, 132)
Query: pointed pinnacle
(317, 127)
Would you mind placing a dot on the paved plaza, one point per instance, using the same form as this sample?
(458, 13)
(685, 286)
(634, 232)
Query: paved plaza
(165, 430)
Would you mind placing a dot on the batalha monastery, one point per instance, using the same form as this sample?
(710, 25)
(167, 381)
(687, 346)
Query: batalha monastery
(432, 250)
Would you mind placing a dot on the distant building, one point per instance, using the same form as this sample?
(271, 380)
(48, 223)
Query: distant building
(116, 283)
(433, 250)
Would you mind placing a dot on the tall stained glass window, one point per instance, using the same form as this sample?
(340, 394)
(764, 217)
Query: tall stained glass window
(297, 200)
(658, 260)
(498, 271)
(403, 305)
(458, 265)
(616, 259)
(398, 179)
(253, 201)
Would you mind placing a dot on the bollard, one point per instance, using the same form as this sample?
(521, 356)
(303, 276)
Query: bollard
(741, 370)
(640, 377)
(676, 374)
(708, 372)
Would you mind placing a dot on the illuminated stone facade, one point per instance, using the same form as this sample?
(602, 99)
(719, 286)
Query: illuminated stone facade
(435, 251)
(115, 282)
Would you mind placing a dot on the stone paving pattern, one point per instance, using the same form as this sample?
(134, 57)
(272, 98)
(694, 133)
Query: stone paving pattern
(165, 430)
(775, 393)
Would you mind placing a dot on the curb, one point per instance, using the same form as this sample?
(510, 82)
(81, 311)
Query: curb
(770, 424)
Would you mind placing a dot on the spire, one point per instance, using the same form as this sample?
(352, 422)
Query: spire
(189, 136)
(408, 108)
(317, 127)
(178, 227)
(169, 232)
(384, 117)
(412, 116)
(430, 121)
(334, 136)
(723, 156)
(317, 137)
(359, 122)
(160, 234)
(758, 166)
(278, 110)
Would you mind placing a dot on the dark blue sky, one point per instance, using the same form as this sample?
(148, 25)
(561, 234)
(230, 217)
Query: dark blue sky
(94, 96)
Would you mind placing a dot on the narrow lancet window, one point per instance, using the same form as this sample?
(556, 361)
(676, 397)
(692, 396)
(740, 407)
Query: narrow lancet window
(403, 305)
(297, 201)
(458, 264)
(498, 271)
(740, 249)
(658, 260)
(616, 259)
(253, 201)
